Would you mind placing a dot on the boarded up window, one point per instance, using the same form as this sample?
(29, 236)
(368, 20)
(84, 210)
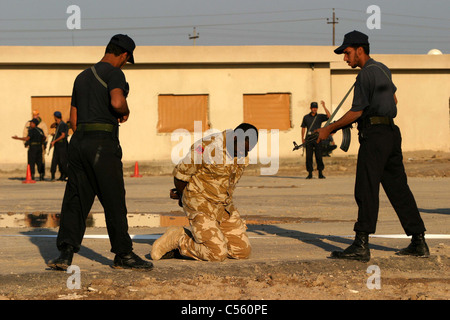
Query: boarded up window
(180, 112)
(268, 111)
(48, 105)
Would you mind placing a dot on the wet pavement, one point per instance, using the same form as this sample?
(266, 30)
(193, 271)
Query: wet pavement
(289, 218)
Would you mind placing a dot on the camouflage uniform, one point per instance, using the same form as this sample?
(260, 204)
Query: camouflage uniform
(217, 229)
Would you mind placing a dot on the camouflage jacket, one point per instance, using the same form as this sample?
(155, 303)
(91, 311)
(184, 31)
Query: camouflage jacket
(210, 170)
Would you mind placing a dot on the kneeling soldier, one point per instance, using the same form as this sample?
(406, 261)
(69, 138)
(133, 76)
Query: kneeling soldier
(205, 190)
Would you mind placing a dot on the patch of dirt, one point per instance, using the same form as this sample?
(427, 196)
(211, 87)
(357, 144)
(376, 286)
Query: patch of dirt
(401, 278)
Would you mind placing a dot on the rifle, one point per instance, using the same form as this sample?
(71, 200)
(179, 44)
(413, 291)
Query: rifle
(53, 139)
(346, 135)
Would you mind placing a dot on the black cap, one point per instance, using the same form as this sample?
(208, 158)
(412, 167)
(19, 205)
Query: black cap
(35, 121)
(125, 42)
(352, 38)
(314, 105)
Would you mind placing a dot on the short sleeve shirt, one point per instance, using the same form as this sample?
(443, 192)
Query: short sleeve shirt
(309, 123)
(374, 91)
(62, 128)
(35, 134)
(92, 99)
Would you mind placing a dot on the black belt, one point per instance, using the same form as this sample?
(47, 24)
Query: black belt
(96, 127)
(35, 143)
(375, 120)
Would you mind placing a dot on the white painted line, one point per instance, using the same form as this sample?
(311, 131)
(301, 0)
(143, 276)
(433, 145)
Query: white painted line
(404, 236)
(87, 236)
(156, 236)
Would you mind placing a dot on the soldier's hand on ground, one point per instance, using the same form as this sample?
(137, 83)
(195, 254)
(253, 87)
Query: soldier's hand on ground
(174, 194)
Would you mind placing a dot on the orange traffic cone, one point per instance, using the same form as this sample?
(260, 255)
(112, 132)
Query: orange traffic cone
(28, 177)
(136, 171)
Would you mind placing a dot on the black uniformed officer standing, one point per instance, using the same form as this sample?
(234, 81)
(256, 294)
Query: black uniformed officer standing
(380, 154)
(95, 165)
(34, 139)
(59, 145)
(311, 122)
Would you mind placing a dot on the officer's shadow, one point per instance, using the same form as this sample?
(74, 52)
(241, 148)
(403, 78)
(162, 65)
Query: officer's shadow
(45, 240)
(318, 240)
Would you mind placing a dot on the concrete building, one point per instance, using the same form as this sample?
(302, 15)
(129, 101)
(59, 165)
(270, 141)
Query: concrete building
(170, 87)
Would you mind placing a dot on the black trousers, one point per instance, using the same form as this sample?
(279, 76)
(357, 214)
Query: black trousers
(380, 160)
(59, 158)
(316, 149)
(95, 169)
(35, 158)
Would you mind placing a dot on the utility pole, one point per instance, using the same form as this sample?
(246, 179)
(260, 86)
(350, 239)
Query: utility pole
(195, 36)
(334, 22)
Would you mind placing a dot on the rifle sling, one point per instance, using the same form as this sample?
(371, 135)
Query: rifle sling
(98, 77)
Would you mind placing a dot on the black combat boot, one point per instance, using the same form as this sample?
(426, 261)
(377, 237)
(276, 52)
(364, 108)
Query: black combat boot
(131, 261)
(309, 175)
(321, 176)
(418, 247)
(64, 260)
(359, 249)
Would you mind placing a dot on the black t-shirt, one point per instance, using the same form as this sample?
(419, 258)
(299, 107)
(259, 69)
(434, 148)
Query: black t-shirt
(374, 91)
(309, 119)
(62, 127)
(92, 99)
(36, 135)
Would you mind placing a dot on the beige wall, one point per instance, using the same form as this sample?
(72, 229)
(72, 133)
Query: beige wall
(225, 74)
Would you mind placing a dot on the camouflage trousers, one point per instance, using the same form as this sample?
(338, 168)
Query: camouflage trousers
(216, 233)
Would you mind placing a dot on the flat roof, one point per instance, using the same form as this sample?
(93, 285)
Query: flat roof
(36, 55)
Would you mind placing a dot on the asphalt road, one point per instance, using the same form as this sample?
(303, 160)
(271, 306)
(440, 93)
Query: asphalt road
(289, 219)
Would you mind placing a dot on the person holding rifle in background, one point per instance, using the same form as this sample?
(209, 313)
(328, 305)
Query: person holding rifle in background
(311, 122)
(60, 145)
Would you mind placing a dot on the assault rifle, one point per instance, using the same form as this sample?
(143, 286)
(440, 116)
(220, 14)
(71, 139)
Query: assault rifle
(346, 135)
(345, 144)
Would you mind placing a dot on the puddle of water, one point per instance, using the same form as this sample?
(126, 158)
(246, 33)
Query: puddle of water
(35, 220)
(51, 220)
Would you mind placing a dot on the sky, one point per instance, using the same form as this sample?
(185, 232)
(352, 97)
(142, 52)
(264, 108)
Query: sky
(393, 27)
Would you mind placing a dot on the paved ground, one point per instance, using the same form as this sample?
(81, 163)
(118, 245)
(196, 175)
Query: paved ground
(293, 224)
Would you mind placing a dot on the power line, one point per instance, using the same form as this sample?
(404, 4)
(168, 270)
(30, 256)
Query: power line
(167, 27)
(170, 16)
(403, 24)
(398, 15)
